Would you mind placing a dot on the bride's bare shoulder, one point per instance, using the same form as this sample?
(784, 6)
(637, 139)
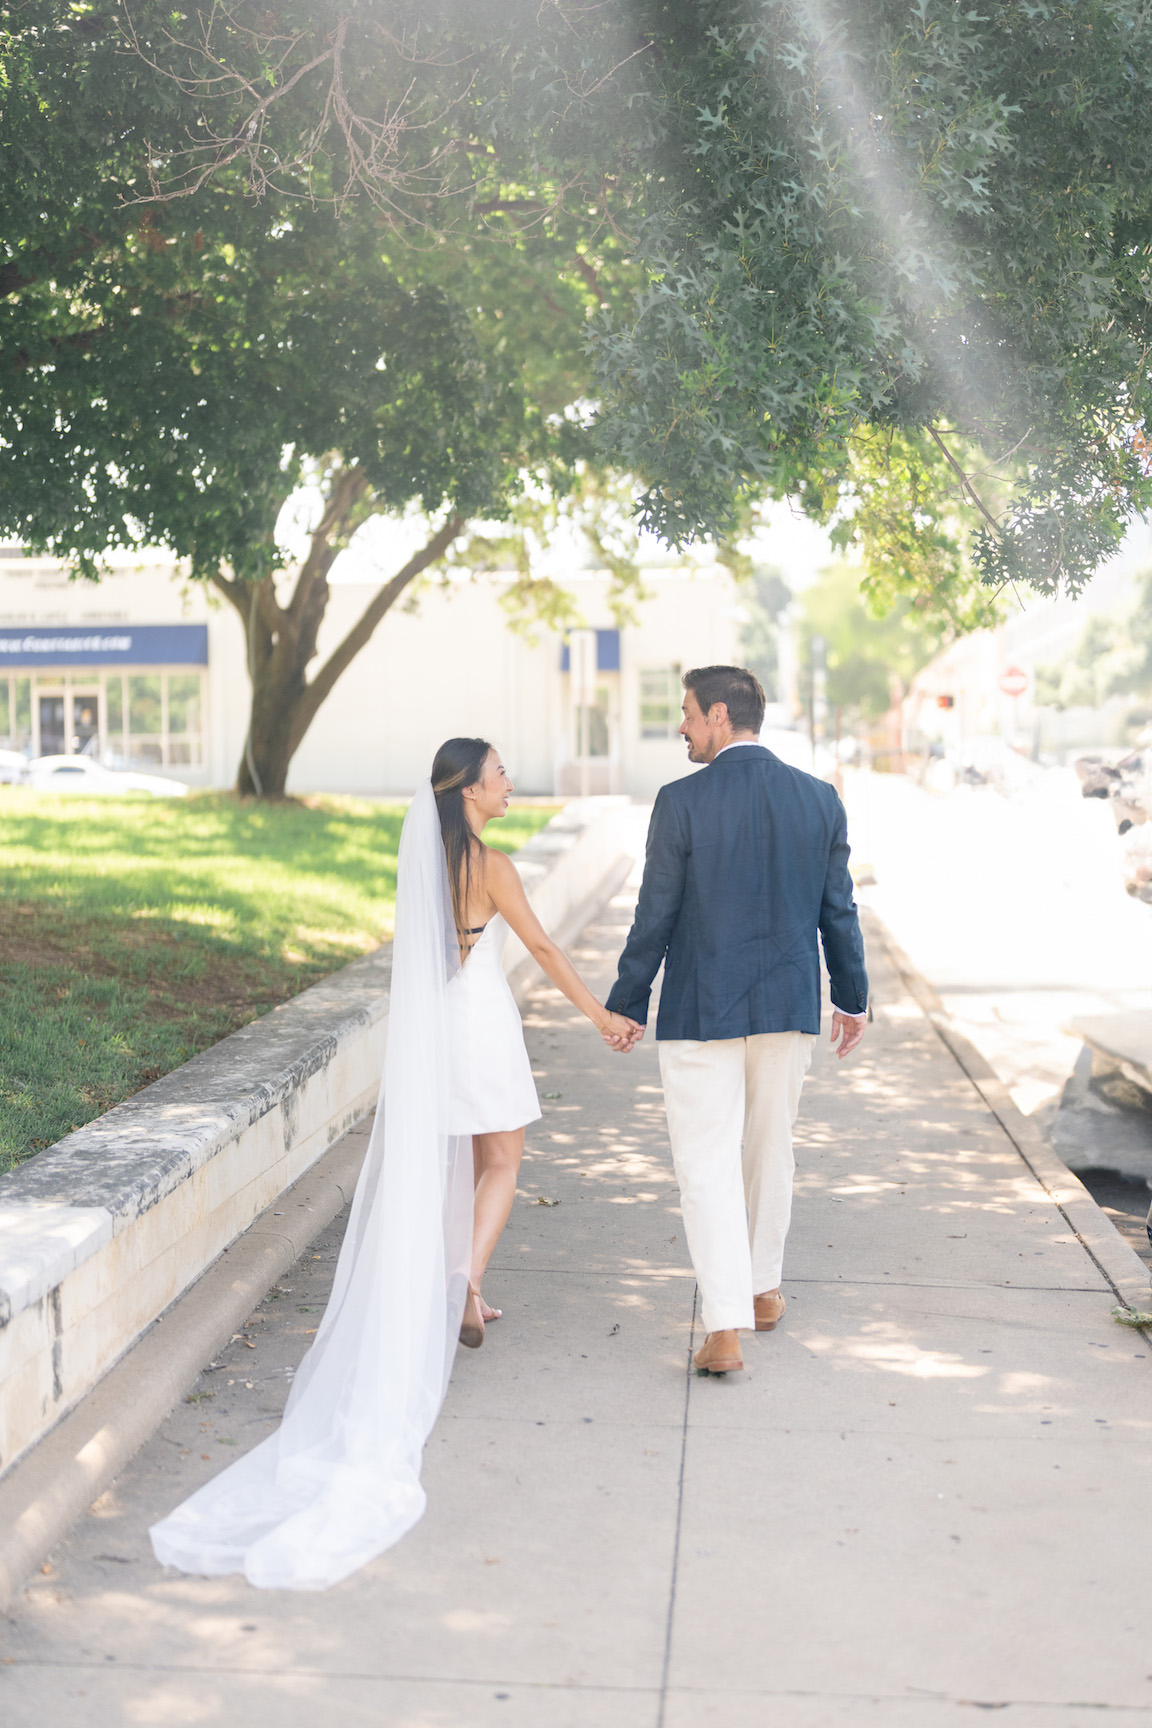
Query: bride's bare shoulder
(501, 877)
(498, 865)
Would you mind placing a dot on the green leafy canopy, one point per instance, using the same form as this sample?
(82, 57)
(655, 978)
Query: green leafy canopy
(170, 367)
(916, 223)
(891, 257)
(889, 246)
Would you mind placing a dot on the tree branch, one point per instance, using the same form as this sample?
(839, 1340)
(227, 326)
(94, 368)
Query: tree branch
(79, 343)
(12, 279)
(29, 268)
(271, 612)
(348, 488)
(235, 592)
(494, 205)
(585, 269)
(359, 635)
(964, 480)
(240, 594)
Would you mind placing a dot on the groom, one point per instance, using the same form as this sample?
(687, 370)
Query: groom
(745, 863)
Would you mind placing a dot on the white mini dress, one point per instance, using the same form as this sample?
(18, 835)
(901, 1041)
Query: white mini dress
(492, 1089)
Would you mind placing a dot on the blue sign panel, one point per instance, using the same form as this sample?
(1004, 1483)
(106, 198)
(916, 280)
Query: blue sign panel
(607, 652)
(26, 645)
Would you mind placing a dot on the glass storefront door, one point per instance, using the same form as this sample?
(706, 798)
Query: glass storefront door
(86, 723)
(51, 725)
(55, 708)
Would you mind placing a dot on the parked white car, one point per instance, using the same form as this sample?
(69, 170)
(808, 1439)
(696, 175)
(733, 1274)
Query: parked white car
(12, 767)
(91, 779)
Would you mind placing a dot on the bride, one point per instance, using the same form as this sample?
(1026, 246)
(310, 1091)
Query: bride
(493, 1097)
(339, 1481)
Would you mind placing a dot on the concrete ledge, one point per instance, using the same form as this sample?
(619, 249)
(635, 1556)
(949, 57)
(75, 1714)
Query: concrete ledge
(1120, 1265)
(100, 1233)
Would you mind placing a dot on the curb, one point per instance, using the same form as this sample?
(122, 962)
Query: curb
(1119, 1265)
(54, 1484)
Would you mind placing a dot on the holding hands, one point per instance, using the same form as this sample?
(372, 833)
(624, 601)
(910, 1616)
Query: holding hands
(620, 1033)
(506, 896)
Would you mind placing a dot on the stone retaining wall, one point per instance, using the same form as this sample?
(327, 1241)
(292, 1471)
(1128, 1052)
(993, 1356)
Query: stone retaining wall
(101, 1232)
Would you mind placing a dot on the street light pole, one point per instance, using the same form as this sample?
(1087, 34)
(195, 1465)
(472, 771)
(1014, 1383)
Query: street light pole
(819, 650)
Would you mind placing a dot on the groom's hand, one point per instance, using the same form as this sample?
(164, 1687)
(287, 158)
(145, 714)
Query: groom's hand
(849, 1029)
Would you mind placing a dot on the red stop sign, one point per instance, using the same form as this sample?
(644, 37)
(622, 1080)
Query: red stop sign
(1014, 681)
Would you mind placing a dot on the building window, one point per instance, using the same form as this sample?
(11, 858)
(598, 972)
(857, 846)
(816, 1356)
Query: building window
(145, 719)
(165, 719)
(184, 724)
(114, 711)
(15, 713)
(660, 697)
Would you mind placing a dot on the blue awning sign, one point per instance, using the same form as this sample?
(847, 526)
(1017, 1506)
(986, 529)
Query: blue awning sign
(607, 652)
(29, 645)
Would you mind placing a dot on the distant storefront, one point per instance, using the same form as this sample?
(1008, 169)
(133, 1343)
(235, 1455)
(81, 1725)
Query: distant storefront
(132, 695)
(148, 670)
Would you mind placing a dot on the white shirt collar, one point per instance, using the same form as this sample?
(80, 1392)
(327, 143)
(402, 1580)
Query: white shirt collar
(738, 744)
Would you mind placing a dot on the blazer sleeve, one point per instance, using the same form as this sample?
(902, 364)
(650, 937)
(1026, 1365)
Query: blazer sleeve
(840, 930)
(661, 893)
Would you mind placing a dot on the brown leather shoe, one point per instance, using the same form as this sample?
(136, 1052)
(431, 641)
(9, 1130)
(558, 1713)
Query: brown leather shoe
(720, 1354)
(769, 1310)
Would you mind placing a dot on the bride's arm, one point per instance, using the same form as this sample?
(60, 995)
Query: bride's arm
(502, 880)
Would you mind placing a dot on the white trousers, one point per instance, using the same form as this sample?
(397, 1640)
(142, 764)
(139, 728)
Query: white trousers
(731, 1103)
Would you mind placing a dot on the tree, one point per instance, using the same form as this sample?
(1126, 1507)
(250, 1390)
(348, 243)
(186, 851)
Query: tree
(878, 236)
(892, 262)
(913, 224)
(1113, 657)
(172, 374)
(871, 661)
(764, 597)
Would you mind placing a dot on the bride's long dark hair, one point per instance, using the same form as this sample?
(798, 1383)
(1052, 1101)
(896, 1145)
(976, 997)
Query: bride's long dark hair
(459, 762)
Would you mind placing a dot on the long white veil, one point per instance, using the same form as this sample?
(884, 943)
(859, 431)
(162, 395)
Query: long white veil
(340, 1479)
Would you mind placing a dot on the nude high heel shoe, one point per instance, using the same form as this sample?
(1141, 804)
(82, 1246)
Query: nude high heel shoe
(472, 1325)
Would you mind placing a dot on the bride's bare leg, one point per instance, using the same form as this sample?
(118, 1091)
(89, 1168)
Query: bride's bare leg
(496, 1166)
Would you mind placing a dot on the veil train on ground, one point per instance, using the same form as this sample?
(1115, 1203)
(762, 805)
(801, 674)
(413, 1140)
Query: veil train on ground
(339, 1481)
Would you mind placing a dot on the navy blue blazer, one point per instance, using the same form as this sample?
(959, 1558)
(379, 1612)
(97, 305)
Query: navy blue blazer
(746, 861)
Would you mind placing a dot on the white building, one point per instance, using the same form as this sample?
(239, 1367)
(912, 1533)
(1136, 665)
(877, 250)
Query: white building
(984, 685)
(147, 669)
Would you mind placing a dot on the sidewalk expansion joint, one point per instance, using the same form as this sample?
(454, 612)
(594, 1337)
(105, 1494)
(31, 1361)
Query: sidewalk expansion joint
(688, 1378)
(975, 1289)
(82, 1666)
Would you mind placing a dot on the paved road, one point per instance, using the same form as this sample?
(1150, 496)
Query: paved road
(930, 1492)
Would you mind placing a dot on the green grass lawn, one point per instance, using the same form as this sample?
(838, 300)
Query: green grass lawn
(135, 932)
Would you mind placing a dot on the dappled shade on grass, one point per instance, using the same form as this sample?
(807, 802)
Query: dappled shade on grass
(136, 932)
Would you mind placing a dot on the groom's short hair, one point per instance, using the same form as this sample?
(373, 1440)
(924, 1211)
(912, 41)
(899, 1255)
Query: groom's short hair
(738, 688)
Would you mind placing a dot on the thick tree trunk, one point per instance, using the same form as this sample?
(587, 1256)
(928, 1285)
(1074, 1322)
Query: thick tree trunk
(281, 639)
(277, 690)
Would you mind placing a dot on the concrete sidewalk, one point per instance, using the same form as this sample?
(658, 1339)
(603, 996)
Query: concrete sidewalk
(930, 1493)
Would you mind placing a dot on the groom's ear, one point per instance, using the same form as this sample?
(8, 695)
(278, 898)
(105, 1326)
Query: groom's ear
(718, 714)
